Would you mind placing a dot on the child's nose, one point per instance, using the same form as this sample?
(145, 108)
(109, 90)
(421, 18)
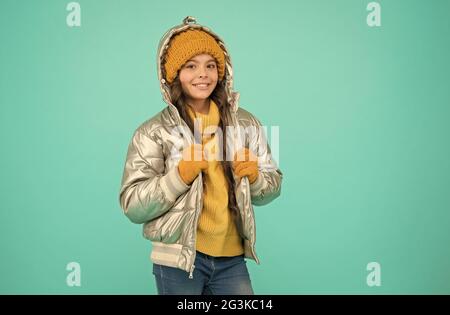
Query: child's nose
(202, 71)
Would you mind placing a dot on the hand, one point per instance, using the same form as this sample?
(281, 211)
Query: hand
(245, 163)
(192, 163)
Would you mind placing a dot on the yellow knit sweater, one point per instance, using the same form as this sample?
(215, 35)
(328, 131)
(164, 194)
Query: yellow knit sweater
(216, 232)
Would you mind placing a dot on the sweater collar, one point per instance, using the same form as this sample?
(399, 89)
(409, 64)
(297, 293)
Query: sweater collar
(203, 121)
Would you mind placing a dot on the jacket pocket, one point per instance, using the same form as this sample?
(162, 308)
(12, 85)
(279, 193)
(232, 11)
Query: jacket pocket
(167, 228)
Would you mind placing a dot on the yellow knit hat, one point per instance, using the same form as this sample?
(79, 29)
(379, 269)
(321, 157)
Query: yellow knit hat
(188, 44)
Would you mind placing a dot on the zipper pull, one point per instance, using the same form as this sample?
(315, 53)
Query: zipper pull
(191, 272)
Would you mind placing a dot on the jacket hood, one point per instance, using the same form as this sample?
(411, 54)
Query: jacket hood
(190, 23)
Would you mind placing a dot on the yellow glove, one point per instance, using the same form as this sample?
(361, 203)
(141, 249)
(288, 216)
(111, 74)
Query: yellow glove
(246, 164)
(188, 167)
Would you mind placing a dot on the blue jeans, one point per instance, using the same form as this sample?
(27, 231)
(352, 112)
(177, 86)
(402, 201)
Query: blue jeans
(212, 275)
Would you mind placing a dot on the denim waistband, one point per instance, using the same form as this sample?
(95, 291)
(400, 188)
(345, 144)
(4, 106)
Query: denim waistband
(206, 256)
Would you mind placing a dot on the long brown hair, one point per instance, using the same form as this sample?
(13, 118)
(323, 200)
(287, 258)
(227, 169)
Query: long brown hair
(220, 98)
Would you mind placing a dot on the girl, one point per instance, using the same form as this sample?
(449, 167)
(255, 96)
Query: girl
(184, 180)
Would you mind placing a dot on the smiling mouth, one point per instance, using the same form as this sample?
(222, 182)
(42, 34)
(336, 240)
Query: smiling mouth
(201, 85)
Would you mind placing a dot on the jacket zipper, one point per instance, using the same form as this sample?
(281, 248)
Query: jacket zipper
(252, 242)
(191, 269)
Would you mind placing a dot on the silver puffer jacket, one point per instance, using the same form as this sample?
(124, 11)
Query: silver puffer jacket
(152, 192)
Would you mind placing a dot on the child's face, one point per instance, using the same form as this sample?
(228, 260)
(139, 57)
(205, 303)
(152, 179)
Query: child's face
(198, 77)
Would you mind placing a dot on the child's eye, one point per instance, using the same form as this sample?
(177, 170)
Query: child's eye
(212, 66)
(190, 66)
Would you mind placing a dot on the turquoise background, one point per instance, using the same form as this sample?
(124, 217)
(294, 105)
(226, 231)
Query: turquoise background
(364, 122)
